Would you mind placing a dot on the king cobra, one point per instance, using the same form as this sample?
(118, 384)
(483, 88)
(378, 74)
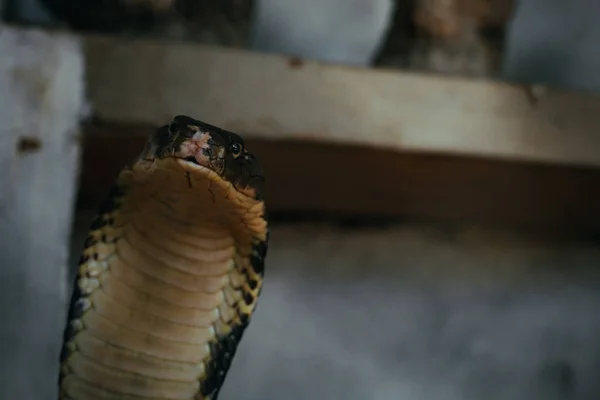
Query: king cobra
(171, 271)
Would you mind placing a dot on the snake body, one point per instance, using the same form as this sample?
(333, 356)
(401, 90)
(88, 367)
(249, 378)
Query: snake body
(170, 272)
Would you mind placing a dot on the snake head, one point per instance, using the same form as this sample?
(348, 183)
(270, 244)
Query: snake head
(208, 146)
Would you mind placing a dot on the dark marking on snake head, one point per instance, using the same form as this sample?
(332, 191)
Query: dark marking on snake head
(167, 140)
(184, 126)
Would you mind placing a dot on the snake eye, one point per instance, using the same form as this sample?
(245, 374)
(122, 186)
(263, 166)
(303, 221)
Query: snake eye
(235, 149)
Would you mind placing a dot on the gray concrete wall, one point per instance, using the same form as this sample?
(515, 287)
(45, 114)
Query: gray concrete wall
(555, 42)
(41, 102)
(420, 313)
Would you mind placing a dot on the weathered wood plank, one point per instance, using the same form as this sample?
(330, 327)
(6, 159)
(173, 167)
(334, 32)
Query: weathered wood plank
(316, 179)
(41, 98)
(274, 97)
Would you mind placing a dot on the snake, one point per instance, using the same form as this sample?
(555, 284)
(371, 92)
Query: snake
(170, 272)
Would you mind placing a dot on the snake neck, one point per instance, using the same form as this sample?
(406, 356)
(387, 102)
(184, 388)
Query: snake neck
(168, 281)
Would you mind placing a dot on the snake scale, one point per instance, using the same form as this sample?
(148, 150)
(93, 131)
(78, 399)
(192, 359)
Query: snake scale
(171, 271)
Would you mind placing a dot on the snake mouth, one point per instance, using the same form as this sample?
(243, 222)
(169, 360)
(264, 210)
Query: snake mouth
(193, 167)
(191, 160)
(209, 172)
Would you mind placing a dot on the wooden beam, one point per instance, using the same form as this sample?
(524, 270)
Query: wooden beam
(276, 98)
(41, 97)
(357, 141)
(316, 179)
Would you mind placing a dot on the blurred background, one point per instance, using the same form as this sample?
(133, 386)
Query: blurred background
(433, 181)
